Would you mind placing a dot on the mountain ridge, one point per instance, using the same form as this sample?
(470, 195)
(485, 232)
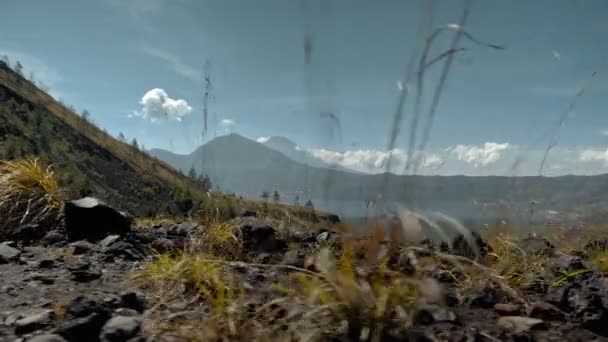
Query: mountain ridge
(246, 167)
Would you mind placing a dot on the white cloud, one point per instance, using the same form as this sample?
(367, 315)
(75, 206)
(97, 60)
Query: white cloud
(594, 155)
(432, 161)
(604, 132)
(157, 105)
(477, 156)
(227, 126)
(175, 63)
(372, 160)
(362, 160)
(262, 140)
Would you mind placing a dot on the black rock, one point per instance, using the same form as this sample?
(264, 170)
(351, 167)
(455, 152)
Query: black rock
(487, 298)
(53, 238)
(133, 300)
(249, 213)
(84, 319)
(470, 247)
(126, 250)
(331, 218)
(120, 329)
(595, 320)
(182, 230)
(85, 328)
(82, 271)
(83, 247)
(303, 237)
(46, 263)
(8, 253)
(28, 233)
(91, 219)
(262, 239)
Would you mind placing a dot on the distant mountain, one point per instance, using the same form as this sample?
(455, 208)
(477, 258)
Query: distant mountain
(295, 153)
(246, 167)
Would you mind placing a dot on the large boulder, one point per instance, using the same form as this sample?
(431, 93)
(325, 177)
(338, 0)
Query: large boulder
(91, 219)
(472, 246)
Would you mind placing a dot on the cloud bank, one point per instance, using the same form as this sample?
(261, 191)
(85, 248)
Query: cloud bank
(157, 105)
(479, 156)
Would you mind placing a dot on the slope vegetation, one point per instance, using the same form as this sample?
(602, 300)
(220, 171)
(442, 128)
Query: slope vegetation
(88, 160)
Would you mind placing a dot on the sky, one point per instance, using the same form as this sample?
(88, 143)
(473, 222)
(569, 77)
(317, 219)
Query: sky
(327, 74)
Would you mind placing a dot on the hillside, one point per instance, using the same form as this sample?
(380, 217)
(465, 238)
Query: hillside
(87, 159)
(246, 167)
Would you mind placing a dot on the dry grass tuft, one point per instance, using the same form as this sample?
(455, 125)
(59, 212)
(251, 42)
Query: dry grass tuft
(222, 240)
(183, 275)
(29, 194)
(512, 263)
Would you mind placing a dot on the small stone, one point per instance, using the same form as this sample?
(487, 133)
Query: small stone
(506, 309)
(125, 250)
(547, 312)
(8, 253)
(53, 238)
(34, 322)
(120, 329)
(82, 271)
(323, 237)
(47, 338)
(520, 324)
(108, 240)
(488, 297)
(133, 300)
(45, 279)
(46, 263)
(82, 247)
(430, 315)
(126, 312)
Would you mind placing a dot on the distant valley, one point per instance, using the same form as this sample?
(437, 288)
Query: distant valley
(249, 168)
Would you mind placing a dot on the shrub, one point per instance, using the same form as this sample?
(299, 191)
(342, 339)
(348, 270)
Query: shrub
(29, 195)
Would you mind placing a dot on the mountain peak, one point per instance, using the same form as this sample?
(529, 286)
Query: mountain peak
(277, 142)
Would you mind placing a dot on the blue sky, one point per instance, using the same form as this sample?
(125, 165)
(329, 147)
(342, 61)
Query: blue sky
(105, 55)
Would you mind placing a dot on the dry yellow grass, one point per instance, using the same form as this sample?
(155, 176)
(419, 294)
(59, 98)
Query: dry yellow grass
(29, 194)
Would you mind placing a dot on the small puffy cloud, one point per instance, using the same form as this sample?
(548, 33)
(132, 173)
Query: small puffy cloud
(477, 156)
(157, 105)
(227, 126)
(262, 140)
(604, 132)
(594, 155)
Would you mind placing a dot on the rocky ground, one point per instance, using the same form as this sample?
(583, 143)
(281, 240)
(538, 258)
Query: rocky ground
(61, 289)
